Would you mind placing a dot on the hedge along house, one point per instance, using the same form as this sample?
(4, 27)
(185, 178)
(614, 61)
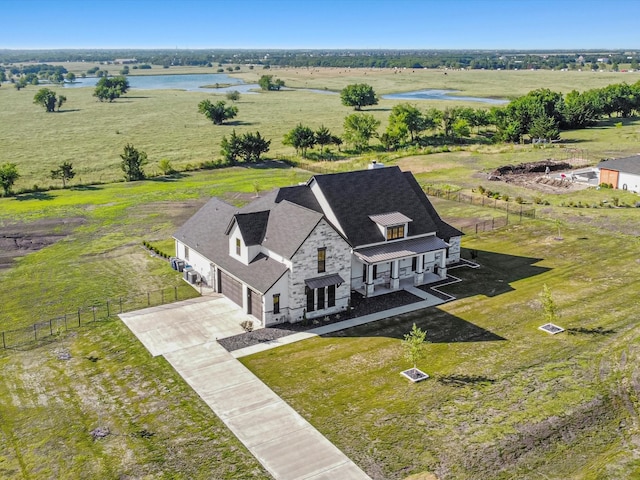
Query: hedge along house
(300, 251)
(622, 173)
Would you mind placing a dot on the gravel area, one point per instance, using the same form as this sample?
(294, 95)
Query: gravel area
(360, 308)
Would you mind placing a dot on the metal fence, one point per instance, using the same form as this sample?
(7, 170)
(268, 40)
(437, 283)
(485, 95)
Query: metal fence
(88, 315)
(483, 201)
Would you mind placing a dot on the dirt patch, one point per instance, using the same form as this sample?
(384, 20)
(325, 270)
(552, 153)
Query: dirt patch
(18, 239)
(549, 176)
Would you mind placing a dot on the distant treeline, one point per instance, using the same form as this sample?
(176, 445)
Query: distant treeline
(476, 59)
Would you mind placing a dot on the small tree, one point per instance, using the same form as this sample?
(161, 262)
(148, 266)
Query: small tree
(165, 166)
(267, 82)
(8, 176)
(132, 163)
(252, 145)
(110, 88)
(301, 138)
(358, 95)
(70, 77)
(47, 98)
(217, 112)
(233, 96)
(230, 148)
(413, 344)
(359, 128)
(64, 172)
(60, 101)
(549, 306)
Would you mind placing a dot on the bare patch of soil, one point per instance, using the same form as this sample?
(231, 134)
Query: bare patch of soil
(18, 239)
(535, 176)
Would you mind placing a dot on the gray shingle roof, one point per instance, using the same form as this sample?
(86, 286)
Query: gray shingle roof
(354, 196)
(204, 233)
(624, 165)
(289, 225)
(252, 226)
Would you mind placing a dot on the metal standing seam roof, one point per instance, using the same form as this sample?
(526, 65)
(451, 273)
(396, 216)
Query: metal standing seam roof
(325, 281)
(391, 218)
(404, 248)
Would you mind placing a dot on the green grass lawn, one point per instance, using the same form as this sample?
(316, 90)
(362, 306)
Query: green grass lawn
(505, 400)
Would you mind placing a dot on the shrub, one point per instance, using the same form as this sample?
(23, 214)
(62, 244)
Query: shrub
(615, 201)
(481, 189)
(247, 325)
(505, 197)
(537, 200)
(519, 200)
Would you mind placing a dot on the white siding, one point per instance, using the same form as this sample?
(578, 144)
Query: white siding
(281, 287)
(630, 180)
(197, 261)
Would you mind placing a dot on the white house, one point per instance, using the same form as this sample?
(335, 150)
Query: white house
(622, 173)
(300, 251)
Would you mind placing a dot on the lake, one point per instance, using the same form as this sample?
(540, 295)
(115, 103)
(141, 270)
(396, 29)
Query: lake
(441, 95)
(189, 82)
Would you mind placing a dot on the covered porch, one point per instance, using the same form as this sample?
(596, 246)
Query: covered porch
(412, 262)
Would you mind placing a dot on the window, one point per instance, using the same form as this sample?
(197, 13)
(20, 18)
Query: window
(186, 253)
(331, 296)
(364, 272)
(238, 246)
(276, 303)
(310, 299)
(375, 272)
(322, 257)
(321, 299)
(395, 232)
(414, 264)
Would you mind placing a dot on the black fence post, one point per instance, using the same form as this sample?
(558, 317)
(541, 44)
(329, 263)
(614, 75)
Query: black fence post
(148, 300)
(65, 322)
(120, 304)
(93, 308)
(162, 296)
(78, 317)
(35, 331)
(175, 291)
(108, 312)
(51, 326)
(4, 343)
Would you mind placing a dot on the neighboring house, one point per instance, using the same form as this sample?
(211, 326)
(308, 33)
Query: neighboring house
(622, 173)
(299, 251)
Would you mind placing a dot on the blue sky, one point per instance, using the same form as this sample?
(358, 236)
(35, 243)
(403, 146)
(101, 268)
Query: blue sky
(384, 24)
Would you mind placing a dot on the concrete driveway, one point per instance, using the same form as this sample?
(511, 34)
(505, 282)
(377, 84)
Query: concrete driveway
(284, 443)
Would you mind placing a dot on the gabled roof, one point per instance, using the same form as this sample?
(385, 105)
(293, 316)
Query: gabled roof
(252, 226)
(205, 233)
(355, 196)
(289, 225)
(624, 165)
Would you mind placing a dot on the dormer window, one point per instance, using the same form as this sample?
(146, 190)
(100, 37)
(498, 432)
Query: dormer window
(395, 232)
(238, 246)
(392, 225)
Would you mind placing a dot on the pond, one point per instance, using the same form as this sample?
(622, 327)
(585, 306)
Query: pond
(189, 82)
(440, 95)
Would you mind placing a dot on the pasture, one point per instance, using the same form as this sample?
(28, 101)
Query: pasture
(505, 400)
(166, 124)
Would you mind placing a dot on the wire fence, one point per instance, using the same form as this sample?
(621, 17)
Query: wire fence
(91, 315)
(517, 210)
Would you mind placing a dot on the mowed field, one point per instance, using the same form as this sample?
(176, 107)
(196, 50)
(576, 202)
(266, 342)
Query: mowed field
(166, 123)
(505, 400)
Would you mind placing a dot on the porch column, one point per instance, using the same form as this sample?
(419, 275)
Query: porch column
(418, 277)
(368, 287)
(394, 281)
(442, 269)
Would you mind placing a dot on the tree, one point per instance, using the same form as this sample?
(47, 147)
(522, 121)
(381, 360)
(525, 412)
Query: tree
(47, 98)
(413, 344)
(252, 145)
(165, 166)
(267, 82)
(217, 112)
(549, 307)
(359, 128)
(8, 176)
(111, 88)
(234, 96)
(409, 116)
(323, 136)
(301, 138)
(358, 95)
(544, 127)
(70, 77)
(64, 172)
(132, 163)
(230, 148)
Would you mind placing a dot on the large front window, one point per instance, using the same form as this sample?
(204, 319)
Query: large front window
(395, 232)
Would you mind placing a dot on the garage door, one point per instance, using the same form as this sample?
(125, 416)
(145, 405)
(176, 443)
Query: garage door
(255, 304)
(231, 288)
